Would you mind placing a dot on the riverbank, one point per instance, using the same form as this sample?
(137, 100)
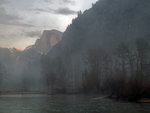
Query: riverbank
(127, 99)
(20, 92)
(67, 104)
(141, 100)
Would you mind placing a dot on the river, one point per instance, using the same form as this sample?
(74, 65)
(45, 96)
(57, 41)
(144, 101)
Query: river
(67, 104)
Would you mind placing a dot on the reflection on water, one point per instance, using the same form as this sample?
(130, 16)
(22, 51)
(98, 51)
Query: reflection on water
(67, 104)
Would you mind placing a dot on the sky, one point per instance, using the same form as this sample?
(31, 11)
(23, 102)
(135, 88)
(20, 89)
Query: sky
(22, 21)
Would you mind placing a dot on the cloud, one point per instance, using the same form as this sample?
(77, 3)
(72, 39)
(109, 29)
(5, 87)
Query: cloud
(48, 1)
(61, 11)
(2, 36)
(5, 18)
(20, 23)
(8, 19)
(33, 34)
(43, 10)
(72, 2)
(69, 2)
(65, 11)
(3, 2)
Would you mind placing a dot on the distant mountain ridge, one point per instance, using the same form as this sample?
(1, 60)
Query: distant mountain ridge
(25, 65)
(47, 41)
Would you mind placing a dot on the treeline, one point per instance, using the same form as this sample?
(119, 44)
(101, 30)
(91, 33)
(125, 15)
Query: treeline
(121, 74)
(91, 58)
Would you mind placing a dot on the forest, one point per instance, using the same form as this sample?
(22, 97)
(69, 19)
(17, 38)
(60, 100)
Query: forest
(105, 50)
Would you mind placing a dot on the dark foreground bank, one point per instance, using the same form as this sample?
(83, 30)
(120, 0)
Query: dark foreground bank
(31, 103)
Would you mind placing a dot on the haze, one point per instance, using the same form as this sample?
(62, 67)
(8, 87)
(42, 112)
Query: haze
(22, 21)
(76, 57)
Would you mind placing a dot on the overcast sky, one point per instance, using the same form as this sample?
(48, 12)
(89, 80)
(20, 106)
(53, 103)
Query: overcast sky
(22, 21)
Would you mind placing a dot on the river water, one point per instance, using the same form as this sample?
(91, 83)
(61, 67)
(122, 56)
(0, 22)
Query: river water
(67, 104)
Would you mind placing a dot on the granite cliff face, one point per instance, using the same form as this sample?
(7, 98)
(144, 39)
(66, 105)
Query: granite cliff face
(28, 62)
(47, 41)
(24, 66)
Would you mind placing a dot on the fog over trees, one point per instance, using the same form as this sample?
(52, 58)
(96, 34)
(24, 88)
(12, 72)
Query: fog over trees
(106, 50)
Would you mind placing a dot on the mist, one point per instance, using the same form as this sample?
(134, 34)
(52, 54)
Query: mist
(104, 51)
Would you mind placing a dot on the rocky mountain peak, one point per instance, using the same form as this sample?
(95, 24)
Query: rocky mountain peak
(47, 41)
